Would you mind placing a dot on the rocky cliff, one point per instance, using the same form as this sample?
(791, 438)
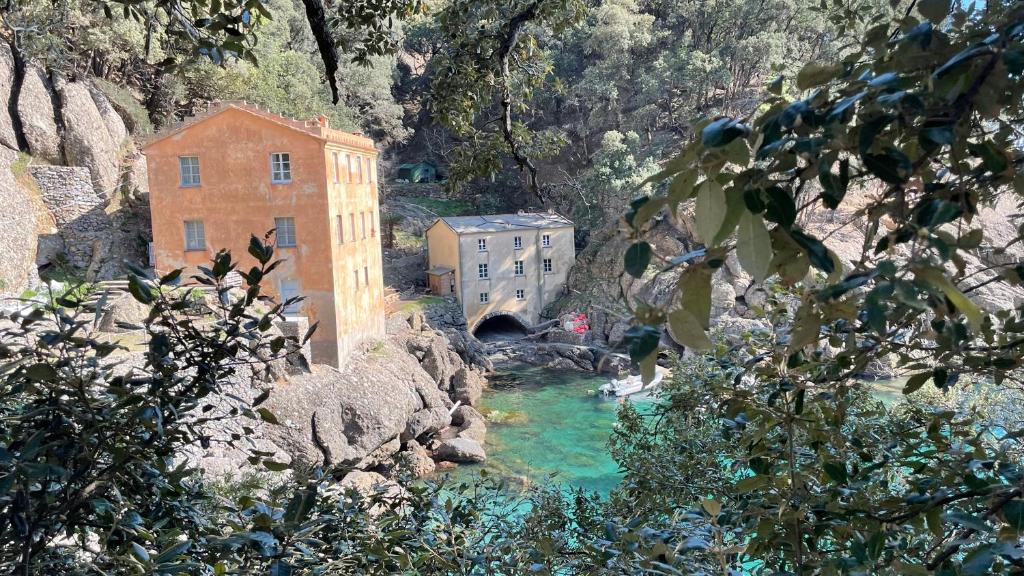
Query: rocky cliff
(598, 286)
(405, 400)
(72, 185)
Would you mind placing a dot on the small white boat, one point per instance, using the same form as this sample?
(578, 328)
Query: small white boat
(633, 383)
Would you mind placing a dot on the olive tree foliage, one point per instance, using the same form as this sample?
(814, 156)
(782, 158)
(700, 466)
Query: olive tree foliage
(495, 58)
(912, 131)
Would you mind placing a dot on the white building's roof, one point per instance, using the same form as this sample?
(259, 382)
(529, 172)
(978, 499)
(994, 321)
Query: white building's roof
(503, 222)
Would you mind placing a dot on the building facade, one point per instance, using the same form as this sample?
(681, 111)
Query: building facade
(513, 264)
(235, 171)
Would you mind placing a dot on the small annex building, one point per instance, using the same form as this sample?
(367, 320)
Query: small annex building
(511, 264)
(425, 171)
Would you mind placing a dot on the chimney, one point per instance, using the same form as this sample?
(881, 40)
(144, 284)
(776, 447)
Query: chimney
(322, 121)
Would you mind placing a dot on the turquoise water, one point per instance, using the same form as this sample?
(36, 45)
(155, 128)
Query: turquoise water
(549, 426)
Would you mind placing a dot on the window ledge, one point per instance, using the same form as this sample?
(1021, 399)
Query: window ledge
(189, 185)
(286, 245)
(195, 249)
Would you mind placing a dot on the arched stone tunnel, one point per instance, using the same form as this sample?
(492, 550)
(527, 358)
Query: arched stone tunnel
(500, 327)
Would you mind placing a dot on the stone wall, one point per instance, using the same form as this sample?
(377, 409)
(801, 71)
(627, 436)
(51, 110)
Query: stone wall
(78, 211)
(96, 239)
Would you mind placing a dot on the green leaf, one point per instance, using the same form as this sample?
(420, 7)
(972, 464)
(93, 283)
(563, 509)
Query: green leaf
(267, 416)
(173, 552)
(1013, 513)
(806, 328)
(637, 259)
(934, 10)
(682, 189)
(816, 73)
(978, 561)
(836, 471)
(694, 288)
(139, 290)
(891, 166)
(710, 211)
(642, 341)
(734, 208)
(937, 278)
(816, 251)
(723, 131)
(754, 246)
(687, 330)
(648, 368)
(140, 552)
(915, 382)
(780, 208)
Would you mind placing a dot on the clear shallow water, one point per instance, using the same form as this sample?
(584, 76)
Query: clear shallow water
(548, 426)
(552, 426)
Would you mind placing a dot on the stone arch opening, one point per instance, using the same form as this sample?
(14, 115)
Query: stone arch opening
(500, 327)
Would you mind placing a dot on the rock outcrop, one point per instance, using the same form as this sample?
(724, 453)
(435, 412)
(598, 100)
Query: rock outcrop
(18, 224)
(8, 137)
(91, 138)
(38, 118)
(333, 418)
(461, 450)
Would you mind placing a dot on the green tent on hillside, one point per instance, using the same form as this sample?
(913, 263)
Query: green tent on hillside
(424, 171)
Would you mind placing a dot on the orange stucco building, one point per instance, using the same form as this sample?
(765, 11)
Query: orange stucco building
(236, 170)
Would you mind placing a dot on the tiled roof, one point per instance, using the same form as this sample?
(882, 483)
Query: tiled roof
(311, 127)
(502, 222)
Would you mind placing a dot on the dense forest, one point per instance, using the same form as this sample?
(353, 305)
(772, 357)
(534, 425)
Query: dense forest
(857, 162)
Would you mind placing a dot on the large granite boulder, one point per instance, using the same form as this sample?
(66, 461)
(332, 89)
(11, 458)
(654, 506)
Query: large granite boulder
(87, 139)
(35, 110)
(7, 135)
(111, 119)
(467, 385)
(472, 424)
(435, 357)
(416, 460)
(462, 450)
(17, 228)
(123, 313)
(338, 418)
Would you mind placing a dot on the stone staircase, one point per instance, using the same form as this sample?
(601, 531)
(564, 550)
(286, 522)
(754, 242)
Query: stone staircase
(105, 291)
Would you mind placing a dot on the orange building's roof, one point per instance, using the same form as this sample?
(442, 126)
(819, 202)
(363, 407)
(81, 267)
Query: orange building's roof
(316, 128)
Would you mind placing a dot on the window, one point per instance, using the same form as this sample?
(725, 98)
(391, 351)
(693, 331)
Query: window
(345, 166)
(547, 266)
(520, 268)
(520, 294)
(289, 289)
(341, 228)
(285, 232)
(518, 240)
(359, 169)
(545, 240)
(352, 224)
(195, 235)
(481, 244)
(356, 272)
(484, 298)
(481, 270)
(337, 168)
(362, 222)
(366, 275)
(370, 176)
(348, 164)
(188, 170)
(280, 167)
